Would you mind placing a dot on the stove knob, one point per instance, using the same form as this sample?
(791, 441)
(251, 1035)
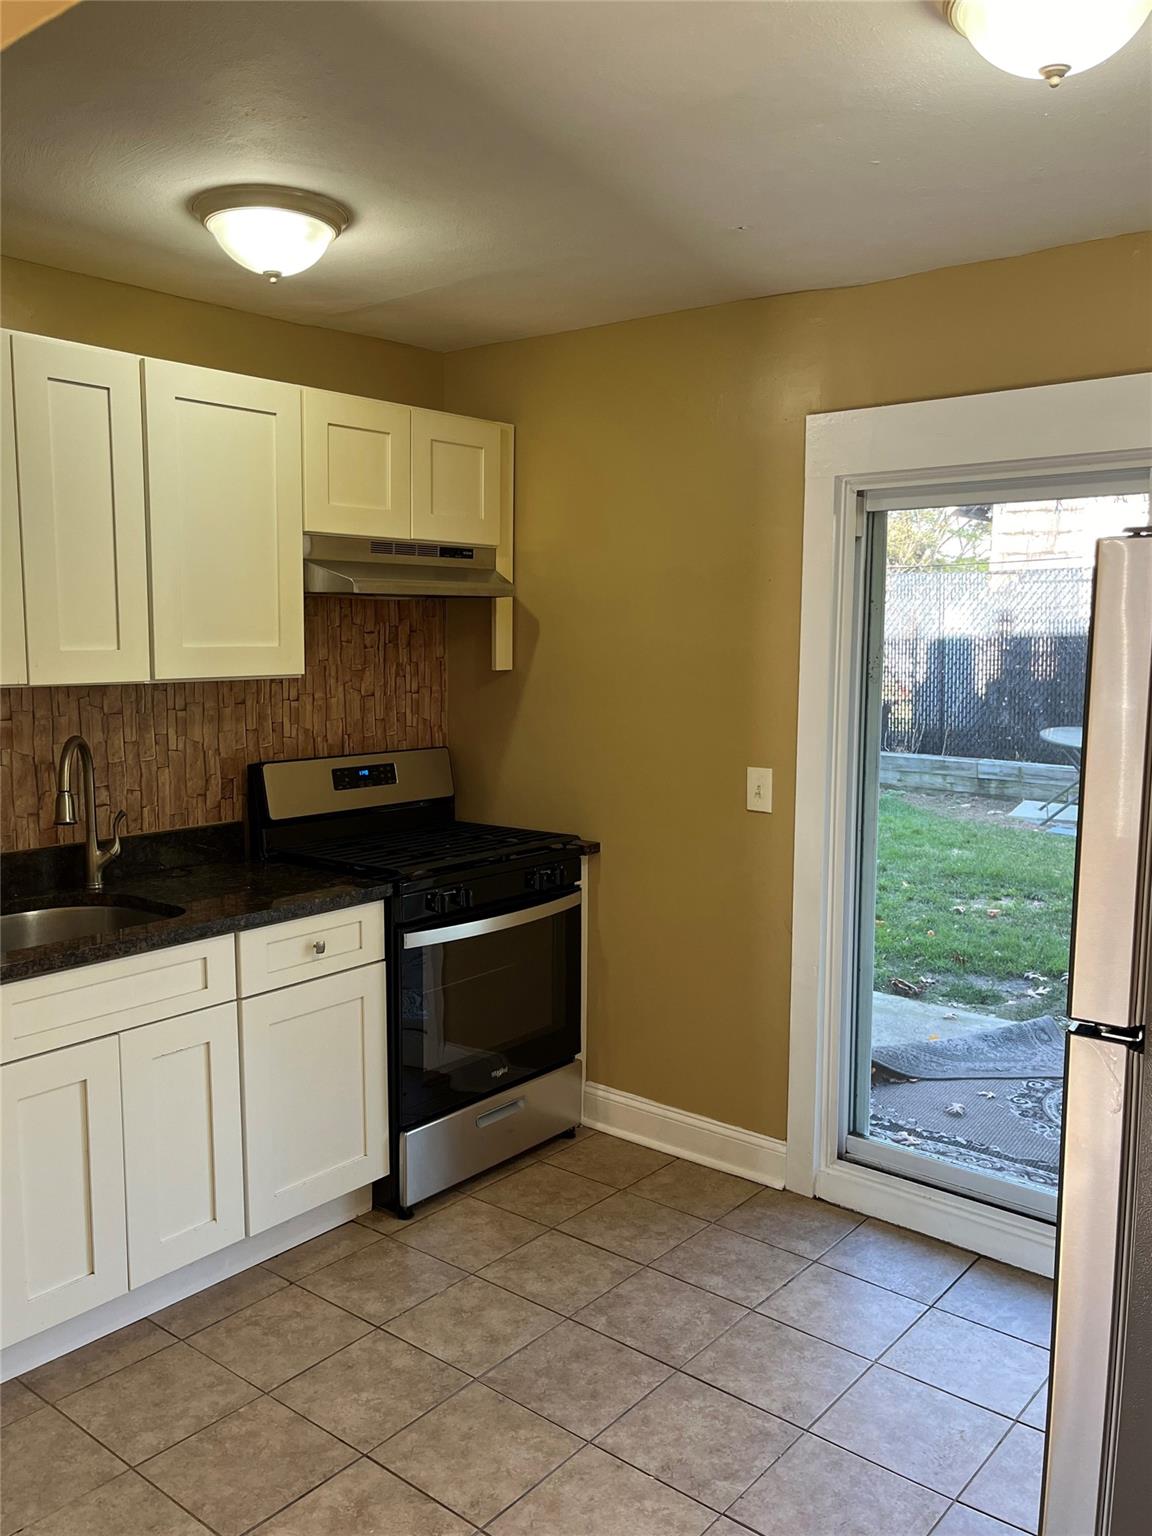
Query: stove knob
(434, 902)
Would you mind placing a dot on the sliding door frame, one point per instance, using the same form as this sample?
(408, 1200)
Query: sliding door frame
(1003, 443)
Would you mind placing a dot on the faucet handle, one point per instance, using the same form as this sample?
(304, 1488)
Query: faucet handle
(111, 848)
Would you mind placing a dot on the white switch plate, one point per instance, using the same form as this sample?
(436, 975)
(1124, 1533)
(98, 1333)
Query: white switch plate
(759, 789)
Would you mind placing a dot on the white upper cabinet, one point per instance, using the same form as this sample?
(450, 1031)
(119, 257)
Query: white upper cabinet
(81, 477)
(153, 513)
(13, 648)
(225, 519)
(456, 481)
(357, 466)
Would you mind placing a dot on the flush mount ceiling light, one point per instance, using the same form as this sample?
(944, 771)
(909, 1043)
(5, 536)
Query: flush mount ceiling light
(1047, 39)
(276, 231)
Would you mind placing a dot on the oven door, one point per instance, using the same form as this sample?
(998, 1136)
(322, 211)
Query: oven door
(485, 1002)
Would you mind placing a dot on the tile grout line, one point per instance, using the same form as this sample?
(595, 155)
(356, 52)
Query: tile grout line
(642, 1265)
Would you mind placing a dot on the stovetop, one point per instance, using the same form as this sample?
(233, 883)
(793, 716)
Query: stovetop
(419, 852)
(386, 816)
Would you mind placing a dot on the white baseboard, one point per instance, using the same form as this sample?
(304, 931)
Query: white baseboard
(997, 1234)
(169, 1289)
(695, 1137)
(1004, 1235)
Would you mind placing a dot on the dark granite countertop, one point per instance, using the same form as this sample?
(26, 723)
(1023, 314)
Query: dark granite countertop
(206, 872)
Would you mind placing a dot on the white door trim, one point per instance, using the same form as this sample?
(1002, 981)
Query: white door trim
(1098, 424)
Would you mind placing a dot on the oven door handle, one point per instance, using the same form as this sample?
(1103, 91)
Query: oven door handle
(482, 925)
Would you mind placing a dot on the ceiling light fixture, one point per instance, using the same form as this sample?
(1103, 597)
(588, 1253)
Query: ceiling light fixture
(1047, 39)
(275, 231)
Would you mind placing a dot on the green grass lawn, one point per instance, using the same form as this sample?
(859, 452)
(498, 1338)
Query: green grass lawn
(973, 906)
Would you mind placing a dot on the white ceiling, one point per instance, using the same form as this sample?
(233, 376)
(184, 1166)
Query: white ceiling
(517, 167)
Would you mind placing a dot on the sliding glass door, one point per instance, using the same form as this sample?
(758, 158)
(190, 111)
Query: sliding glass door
(974, 631)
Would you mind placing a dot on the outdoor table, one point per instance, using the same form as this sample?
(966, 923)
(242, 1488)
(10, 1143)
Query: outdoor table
(1070, 739)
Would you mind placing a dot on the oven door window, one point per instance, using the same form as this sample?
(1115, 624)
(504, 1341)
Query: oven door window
(486, 1002)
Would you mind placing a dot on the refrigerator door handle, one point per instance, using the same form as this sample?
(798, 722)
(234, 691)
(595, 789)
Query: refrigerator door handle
(1109, 965)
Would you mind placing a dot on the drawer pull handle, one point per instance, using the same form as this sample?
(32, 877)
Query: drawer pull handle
(319, 946)
(500, 1113)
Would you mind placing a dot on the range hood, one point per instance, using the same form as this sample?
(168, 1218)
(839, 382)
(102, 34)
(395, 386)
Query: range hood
(346, 567)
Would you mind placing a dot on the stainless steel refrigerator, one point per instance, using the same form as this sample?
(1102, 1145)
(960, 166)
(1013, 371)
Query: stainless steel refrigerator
(1098, 1465)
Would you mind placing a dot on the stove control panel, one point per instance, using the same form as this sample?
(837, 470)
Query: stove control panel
(456, 898)
(481, 890)
(364, 776)
(547, 877)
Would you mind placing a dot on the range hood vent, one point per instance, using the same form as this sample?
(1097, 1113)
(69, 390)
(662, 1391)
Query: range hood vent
(346, 567)
(422, 551)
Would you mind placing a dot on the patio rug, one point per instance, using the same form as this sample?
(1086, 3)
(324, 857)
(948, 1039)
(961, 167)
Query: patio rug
(1030, 1048)
(990, 1101)
(1009, 1127)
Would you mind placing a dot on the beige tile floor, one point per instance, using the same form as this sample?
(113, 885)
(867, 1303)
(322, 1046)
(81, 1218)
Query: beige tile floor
(594, 1340)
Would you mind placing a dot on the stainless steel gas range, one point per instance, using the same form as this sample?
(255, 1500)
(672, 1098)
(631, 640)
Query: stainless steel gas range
(484, 954)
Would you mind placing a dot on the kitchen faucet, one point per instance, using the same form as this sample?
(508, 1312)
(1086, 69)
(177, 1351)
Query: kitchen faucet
(96, 853)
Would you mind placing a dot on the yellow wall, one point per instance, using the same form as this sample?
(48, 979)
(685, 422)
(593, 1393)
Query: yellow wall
(55, 303)
(659, 495)
(658, 542)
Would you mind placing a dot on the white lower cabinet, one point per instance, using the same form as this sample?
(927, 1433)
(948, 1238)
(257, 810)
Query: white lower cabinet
(132, 1155)
(184, 1164)
(63, 1186)
(315, 1092)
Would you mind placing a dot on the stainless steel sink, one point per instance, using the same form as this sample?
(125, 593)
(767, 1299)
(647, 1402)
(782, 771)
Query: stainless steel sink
(56, 924)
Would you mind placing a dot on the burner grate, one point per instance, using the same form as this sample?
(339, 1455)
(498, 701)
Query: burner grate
(412, 854)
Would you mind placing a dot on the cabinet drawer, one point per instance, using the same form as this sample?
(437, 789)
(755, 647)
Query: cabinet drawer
(284, 953)
(46, 1012)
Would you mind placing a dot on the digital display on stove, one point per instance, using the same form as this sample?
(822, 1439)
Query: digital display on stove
(369, 776)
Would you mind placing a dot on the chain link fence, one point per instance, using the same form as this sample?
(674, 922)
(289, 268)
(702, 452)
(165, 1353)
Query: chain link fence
(977, 664)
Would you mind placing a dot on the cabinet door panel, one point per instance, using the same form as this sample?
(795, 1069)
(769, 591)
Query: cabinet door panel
(455, 478)
(63, 1187)
(357, 475)
(184, 1168)
(81, 466)
(224, 486)
(315, 1093)
(13, 647)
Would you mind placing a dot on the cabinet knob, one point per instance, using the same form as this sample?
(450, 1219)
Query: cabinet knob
(319, 946)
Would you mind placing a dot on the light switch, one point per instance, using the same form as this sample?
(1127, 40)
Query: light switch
(759, 789)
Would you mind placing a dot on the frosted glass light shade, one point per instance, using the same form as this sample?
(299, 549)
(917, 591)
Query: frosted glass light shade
(1048, 39)
(275, 231)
